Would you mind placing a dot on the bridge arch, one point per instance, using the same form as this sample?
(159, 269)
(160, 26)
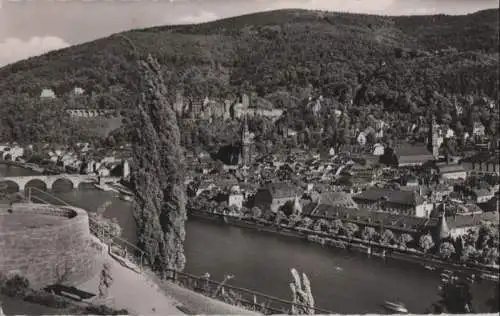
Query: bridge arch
(9, 186)
(7, 157)
(46, 182)
(60, 184)
(37, 183)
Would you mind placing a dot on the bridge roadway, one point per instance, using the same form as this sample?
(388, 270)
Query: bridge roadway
(49, 180)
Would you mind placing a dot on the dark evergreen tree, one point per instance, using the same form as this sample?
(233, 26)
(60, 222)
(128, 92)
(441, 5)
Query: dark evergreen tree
(455, 297)
(158, 173)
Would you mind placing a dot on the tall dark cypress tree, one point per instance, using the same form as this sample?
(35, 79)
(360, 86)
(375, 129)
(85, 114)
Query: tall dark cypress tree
(158, 173)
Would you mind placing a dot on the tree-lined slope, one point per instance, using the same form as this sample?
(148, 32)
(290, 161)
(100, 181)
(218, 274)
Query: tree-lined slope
(284, 51)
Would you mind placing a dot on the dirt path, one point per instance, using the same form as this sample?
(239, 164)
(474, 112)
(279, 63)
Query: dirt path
(131, 290)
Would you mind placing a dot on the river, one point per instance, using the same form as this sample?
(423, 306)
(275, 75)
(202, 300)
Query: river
(341, 282)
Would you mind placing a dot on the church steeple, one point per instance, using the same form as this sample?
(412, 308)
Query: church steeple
(444, 230)
(433, 141)
(297, 207)
(246, 143)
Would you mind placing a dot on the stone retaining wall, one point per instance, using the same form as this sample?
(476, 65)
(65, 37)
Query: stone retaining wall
(48, 255)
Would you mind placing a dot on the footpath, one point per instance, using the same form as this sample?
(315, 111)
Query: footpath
(143, 293)
(130, 290)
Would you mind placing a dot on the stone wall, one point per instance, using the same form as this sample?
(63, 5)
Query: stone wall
(47, 255)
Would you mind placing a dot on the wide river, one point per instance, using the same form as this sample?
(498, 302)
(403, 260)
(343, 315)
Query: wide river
(341, 282)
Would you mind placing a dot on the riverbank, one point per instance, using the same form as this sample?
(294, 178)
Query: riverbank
(24, 165)
(385, 252)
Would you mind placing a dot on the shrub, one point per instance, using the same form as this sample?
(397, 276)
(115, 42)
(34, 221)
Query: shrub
(46, 299)
(104, 310)
(15, 286)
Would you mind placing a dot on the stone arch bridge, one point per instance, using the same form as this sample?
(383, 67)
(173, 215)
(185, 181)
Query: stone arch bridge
(49, 180)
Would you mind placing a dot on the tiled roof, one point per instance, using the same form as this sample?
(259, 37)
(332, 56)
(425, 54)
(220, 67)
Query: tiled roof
(411, 159)
(461, 221)
(450, 168)
(371, 218)
(482, 157)
(482, 192)
(392, 196)
(282, 190)
(341, 199)
(412, 150)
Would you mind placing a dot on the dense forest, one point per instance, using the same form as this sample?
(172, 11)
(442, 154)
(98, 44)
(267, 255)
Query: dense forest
(395, 67)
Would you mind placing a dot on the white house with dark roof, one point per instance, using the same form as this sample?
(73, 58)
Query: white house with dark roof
(378, 149)
(478, 129)
(235, 197)
(47, 94)
(482, 195)
(482, 163)
(407, 155)
(451, 171)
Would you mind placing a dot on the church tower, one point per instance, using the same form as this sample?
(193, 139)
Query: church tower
(246, 144)
(444, 230)
(434, 142)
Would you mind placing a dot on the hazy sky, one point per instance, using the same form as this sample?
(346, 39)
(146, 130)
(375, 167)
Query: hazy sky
(32, 27)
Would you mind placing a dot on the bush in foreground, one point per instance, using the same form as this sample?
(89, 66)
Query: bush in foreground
(17, 286)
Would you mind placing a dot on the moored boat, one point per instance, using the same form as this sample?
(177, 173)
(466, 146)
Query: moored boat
(125, 192)
(490, 277)
(104, 187)
(396, 307)
(127, 198)
(429, 267)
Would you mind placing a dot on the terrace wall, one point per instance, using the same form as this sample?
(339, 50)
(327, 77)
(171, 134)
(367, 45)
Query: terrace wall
(46, 255)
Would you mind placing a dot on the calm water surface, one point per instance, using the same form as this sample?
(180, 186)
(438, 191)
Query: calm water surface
(341, 282)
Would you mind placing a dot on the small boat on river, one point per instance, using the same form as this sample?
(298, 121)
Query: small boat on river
(126, 197)
(430, 268)
(396, 307)
(104, 187)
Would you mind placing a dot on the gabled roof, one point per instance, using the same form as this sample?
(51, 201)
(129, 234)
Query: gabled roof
(341, 199)
(464, 221)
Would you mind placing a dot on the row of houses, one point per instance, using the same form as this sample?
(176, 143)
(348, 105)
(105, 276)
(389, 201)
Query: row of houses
(11, 152)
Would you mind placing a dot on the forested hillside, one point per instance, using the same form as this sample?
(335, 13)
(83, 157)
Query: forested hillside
(399, 62)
